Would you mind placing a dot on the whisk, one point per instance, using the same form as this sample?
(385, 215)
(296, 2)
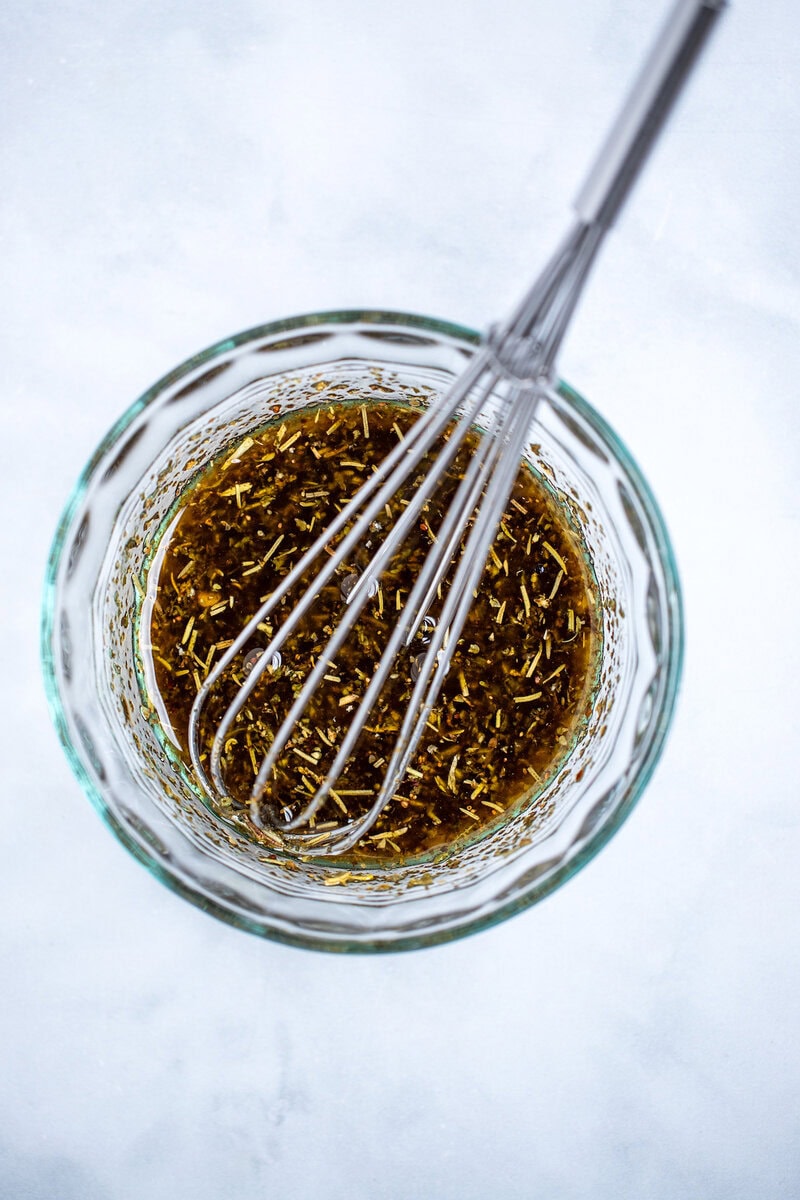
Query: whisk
(514, 366)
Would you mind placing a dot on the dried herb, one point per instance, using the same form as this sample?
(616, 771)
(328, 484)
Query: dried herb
(521, 676)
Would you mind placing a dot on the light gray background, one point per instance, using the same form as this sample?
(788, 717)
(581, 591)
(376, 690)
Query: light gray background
(175, 172)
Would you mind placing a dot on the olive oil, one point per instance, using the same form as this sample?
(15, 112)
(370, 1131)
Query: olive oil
(521, 677)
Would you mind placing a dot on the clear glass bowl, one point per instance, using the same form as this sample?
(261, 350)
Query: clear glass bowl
(110, 736)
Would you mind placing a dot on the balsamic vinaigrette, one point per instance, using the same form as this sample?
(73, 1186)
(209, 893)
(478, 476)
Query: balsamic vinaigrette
(522, 674)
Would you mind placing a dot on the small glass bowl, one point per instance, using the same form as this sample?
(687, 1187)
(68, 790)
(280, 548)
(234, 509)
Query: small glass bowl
(93, 673)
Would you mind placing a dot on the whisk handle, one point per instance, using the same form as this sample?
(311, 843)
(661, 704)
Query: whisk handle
(650, 102)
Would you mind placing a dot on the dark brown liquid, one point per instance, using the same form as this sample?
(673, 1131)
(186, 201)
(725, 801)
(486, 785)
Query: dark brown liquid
(521, 676)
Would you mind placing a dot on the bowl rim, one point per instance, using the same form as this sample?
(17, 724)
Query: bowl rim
(540, 888)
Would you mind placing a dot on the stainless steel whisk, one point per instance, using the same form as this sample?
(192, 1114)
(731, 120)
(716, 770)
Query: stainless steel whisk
(514, 366)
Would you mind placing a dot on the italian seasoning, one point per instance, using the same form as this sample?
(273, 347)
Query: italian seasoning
(522, 674)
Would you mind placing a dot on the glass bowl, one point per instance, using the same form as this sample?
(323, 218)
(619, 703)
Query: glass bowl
(110, 734)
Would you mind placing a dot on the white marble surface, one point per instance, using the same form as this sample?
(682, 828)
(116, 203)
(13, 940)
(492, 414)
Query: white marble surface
(174, 172)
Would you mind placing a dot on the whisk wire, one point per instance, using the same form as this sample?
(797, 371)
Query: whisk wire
(412, 613)
(397, 466)
(460, 595)
(498, 465)
(410, 616)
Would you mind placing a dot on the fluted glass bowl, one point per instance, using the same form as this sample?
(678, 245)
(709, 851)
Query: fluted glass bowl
(92, 669)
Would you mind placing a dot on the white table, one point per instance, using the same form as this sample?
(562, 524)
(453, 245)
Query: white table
(177, 172)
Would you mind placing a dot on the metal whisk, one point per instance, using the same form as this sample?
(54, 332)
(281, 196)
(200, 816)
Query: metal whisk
(514, 366)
